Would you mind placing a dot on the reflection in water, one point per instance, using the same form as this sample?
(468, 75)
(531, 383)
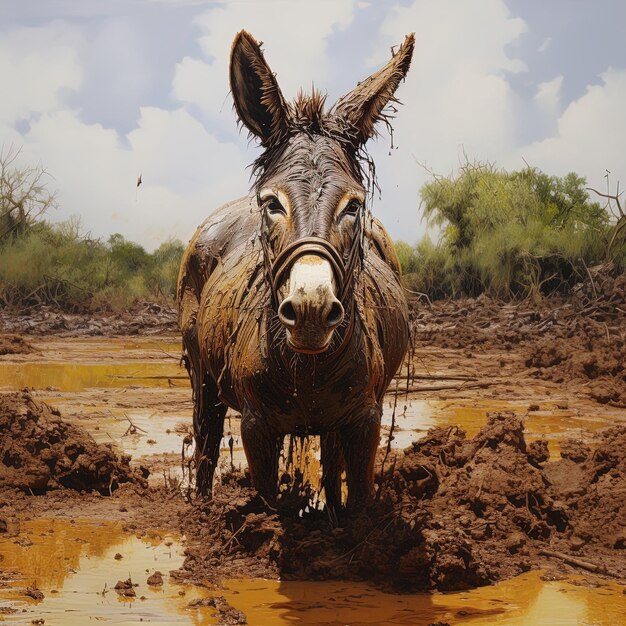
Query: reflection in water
(523, 601)
(414, 417)
(74, 565)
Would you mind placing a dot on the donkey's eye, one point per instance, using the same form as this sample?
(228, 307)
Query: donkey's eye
(352, 208)
(273, 206)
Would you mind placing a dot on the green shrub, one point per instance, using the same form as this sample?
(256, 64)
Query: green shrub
(509, 234)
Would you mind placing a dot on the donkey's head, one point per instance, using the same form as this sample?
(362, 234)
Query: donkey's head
(310, 186)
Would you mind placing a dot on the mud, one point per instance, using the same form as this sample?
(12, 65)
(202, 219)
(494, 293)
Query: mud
(145, 318)
(578, 342)
(451, 513)
(14, 344)
(39, 451)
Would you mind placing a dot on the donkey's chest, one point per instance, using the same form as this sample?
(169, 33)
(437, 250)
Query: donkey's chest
(303, 394)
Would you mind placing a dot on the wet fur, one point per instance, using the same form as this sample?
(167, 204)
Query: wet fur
(234, 344)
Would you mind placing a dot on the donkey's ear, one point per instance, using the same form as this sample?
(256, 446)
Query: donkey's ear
(259, 103)
(363, 106)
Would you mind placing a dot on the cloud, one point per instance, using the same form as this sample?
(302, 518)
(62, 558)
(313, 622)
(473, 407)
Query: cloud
(586, 138)
(548, 95)
(296, 49)
(186, 172)
(39, 67)
(456, 97)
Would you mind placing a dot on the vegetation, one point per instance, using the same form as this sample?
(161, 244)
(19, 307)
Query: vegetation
(44, 263)
(508, 234)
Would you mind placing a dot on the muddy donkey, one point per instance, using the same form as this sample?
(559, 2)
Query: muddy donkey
(291, 307)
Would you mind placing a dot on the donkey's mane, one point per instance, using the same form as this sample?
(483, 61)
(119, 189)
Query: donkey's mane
(307, 115)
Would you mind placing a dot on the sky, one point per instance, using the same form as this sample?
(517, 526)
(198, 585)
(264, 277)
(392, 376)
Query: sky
(99, 92)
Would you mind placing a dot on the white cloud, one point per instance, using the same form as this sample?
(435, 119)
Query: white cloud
(295, 31)
(545, 44)
(588, 134)
(456, 97)
(39, 67)
(186, 173)
(548, 95)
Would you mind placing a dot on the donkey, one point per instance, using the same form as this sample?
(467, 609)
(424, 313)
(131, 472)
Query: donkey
(291, 308)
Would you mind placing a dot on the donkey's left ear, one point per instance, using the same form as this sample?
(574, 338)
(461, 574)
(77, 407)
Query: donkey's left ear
(363, 106)
(258, 100)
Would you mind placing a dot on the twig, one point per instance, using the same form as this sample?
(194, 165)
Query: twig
(570, 560)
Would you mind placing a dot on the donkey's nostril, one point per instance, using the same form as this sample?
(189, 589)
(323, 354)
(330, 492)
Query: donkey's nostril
(335, 315)
(287, 313)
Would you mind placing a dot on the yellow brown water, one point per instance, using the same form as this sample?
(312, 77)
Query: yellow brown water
(73, 563)
(414, 417)
(523, 601)
(71, 376)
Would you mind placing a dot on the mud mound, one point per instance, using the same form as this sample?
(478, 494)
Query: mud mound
(144, 318)
(592, 486)
(590, 347)
(451, 513)
(14, 344)
(579, 340)
(39, 451)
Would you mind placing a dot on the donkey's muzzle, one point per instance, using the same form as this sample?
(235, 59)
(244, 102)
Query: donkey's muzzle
(311, 311)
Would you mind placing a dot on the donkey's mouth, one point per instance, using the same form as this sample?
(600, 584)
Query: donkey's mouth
(307, 347)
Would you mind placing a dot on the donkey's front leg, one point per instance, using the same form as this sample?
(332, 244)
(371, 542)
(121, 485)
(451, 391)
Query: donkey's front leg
(262, 446)
(360, 442)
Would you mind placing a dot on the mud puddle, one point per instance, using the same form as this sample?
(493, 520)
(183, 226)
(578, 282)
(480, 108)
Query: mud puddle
(552, 421)
(68, 376)
(527, 599)
(76, 565)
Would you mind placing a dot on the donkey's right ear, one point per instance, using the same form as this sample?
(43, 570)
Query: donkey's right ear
(258, 101)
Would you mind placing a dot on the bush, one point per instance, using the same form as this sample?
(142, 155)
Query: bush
(509, 234)
(55, 264)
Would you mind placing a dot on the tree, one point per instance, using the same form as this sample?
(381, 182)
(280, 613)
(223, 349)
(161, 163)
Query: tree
(24, 196)
(513, 233)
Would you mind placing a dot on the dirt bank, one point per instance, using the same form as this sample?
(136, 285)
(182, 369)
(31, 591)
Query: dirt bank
(451, 513)
(578, 342)
(39, 451)
(146, 318)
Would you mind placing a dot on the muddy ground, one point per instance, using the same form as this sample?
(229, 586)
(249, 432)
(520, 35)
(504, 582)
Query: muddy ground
(453, 509)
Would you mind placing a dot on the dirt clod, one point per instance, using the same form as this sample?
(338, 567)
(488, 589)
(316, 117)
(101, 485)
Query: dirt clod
(39, 451)
(125, 588)
(14, 344)
(34, 593)
(155, 580)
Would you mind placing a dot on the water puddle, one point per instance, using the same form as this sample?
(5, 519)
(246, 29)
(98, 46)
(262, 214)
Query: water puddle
(523, 601)
(552, 422)
(74, 564)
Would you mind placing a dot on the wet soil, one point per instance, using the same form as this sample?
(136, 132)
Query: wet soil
(14, 344)
(579, 343)
(451, 513)
(145, 318)
(40, 451)
(456, 507)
